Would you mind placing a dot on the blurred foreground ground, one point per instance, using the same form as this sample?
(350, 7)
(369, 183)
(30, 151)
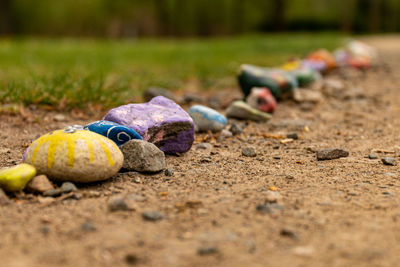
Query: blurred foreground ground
(341, 212)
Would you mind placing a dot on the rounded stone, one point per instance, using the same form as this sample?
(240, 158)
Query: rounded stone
(120, 134)
(207, 119)
(15, 178)
(75, 155)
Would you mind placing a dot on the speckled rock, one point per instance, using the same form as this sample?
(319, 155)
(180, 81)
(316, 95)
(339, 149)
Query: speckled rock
(142, 156)
(160, 121)
(331, 153)
(207, 119)
(74, 155)
(242, 110)
(15, 178)
(120, 134)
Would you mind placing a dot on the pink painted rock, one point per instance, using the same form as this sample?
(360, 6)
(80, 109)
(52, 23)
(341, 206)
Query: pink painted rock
(160, 121)
(261, 99)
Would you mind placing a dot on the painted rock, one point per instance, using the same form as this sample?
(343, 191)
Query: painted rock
(160, 121)
(75, 155)
(280, 83)
(322, 56)
(261, 99)
(15, 178)
(207, 119)
(118, 133)
(306, 76)
(242, 110)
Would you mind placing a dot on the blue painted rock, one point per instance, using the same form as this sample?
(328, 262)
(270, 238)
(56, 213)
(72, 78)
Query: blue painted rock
(15, 178)
(74, 155)
(118, 133)
(207, 119)
(160, 121)
(280, 83)
(242, 110)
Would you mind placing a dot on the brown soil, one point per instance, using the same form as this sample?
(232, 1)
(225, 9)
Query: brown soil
(342, 212)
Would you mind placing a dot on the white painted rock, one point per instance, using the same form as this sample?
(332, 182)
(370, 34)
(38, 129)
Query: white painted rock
(207, 119)
(75, 155)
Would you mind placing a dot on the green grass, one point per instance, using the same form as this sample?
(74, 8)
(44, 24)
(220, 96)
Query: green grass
(78, 72)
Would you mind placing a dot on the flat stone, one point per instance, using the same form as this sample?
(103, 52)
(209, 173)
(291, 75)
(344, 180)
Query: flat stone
(74, 155)
(142, 156)
(261, 99)
(52, 193)
(207, 119)
(249, 151)
(207, 250)
(39, 184)
(68, 187)
(389, 161)
(306, 95)
(372, 156)
(242, 110)
(119, 203)
(160, 121)
(15, 178)
(204, 146)
(120, 134)
(152, 216)
(331, 153)
(154, 91)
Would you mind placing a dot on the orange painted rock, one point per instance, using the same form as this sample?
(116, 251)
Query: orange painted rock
(75, 155)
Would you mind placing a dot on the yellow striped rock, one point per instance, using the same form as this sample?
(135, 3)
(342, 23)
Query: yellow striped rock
(15, 178)
(75, 155)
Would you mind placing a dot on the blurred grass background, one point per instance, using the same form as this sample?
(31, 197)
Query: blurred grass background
(80, 72)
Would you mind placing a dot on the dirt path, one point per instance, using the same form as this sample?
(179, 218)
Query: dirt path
(342, 212)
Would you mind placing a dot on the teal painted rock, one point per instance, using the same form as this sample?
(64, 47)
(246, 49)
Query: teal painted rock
(15, 178)
(75, 155)
(280, 83)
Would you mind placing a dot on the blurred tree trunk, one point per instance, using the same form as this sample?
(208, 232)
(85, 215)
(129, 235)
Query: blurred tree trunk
(6, 26)
(375, 15)
(278, 15)
(348, 15)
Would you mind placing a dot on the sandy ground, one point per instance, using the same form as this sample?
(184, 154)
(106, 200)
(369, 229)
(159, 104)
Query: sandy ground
(342, 212)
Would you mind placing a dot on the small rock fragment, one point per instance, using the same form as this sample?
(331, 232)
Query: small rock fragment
(304, 251)
(68, 187)
(249, 151)
(169, 172)
(331, 153)
(272, 197)
(389, 161)
(118, 203)
(204, 146)
(226, 133)
(39, 184)
(52, 193)
(372, 156)
(289, 233)
(152, 216)
(305, 95)
(142, 156)
(207, 250)
(88, 227)
(236, 129)
(293, 136)
(59, 117)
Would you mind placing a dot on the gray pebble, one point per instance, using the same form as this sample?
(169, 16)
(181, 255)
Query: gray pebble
(389, 161)
(68, 187)
(207, 250)
(292, 136)
(88, 226)
(203, 146)
(331, 153)
(169, 172)
(372, 156)
(52, 193)
(249, 151)
(152, 216)
(236, 129)
(118, 203)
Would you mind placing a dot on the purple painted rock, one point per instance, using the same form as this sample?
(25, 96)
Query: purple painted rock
(160, 121)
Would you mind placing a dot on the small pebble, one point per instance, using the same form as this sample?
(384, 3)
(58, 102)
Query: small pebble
(52, 193)
(169, 172)
(88, 227)
(207, 250)
(39, 184)
(293, 136)
(249, 151)
(68, 187)
(203, 146)
(236, 129)
(272, 197)
(226, 133)
(389, 161)
(118, 203)
(131, 259)
(152, 216)
(331, 153)
(289, 233)
(372, 156)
